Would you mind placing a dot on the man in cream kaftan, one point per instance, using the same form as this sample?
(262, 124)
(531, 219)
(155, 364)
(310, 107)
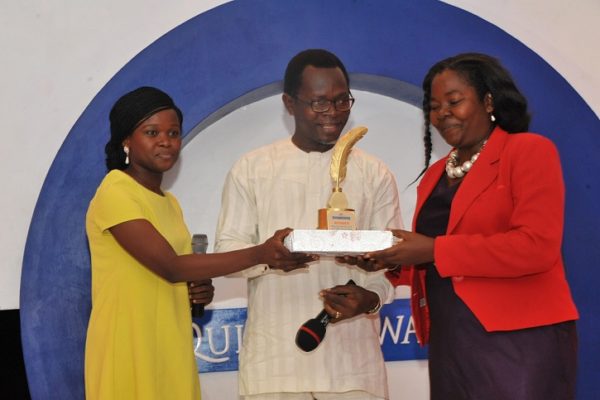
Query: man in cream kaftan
(277, 186)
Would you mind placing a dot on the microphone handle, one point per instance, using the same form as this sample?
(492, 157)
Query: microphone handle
(199, 246)
(197, 310)
(323, 318)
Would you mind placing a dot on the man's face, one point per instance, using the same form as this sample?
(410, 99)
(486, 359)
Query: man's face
(318, 131)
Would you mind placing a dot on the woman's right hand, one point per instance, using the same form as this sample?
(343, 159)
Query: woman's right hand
(277, 256)
(410, 249)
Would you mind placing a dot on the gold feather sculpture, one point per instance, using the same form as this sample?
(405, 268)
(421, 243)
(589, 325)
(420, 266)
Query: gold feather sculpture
(339, 160)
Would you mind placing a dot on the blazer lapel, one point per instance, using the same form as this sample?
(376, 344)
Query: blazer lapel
(479, 178)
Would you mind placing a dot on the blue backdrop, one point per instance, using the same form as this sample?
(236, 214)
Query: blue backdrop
(218, 336)
(222, 54)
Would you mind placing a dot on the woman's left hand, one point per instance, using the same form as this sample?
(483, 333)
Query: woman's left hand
(411, 249)
(201, 292)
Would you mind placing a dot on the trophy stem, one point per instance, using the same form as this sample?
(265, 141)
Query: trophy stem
(338, 199)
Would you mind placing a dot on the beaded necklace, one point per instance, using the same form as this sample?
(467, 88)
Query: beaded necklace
(453, 171)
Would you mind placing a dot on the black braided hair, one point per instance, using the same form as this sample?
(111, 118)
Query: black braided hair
(427, 142)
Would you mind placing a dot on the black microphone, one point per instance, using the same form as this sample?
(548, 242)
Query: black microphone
(199, 246)
(312, 332)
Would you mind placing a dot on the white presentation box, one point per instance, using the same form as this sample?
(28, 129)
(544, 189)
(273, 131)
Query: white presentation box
(337, 242)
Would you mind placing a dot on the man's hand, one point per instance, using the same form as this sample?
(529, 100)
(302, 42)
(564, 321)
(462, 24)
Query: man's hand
(367, 264)
(347, 301)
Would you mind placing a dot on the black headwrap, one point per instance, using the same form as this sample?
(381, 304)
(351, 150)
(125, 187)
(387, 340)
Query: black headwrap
(128, 113)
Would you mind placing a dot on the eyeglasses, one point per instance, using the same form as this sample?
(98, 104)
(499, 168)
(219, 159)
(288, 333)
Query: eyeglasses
(323, 105)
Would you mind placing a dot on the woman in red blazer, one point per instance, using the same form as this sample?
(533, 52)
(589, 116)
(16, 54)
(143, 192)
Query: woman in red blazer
(484, 260)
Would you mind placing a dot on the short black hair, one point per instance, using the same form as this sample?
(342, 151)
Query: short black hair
(318, 58)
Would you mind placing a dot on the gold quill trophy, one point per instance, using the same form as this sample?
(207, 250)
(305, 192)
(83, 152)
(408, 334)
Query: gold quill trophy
(337, 215)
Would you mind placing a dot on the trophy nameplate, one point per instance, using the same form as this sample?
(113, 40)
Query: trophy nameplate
(333, 218)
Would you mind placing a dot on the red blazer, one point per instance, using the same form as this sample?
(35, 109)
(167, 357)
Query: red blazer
(502, 247)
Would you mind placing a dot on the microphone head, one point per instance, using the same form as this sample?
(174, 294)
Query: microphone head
(199, 243)
(310, 334)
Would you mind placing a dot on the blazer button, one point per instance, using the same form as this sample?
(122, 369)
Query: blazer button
(458, 278)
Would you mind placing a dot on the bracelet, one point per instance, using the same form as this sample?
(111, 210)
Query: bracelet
(376, 308)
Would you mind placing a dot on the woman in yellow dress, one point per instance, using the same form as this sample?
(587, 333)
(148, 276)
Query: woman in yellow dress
(139, 339)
